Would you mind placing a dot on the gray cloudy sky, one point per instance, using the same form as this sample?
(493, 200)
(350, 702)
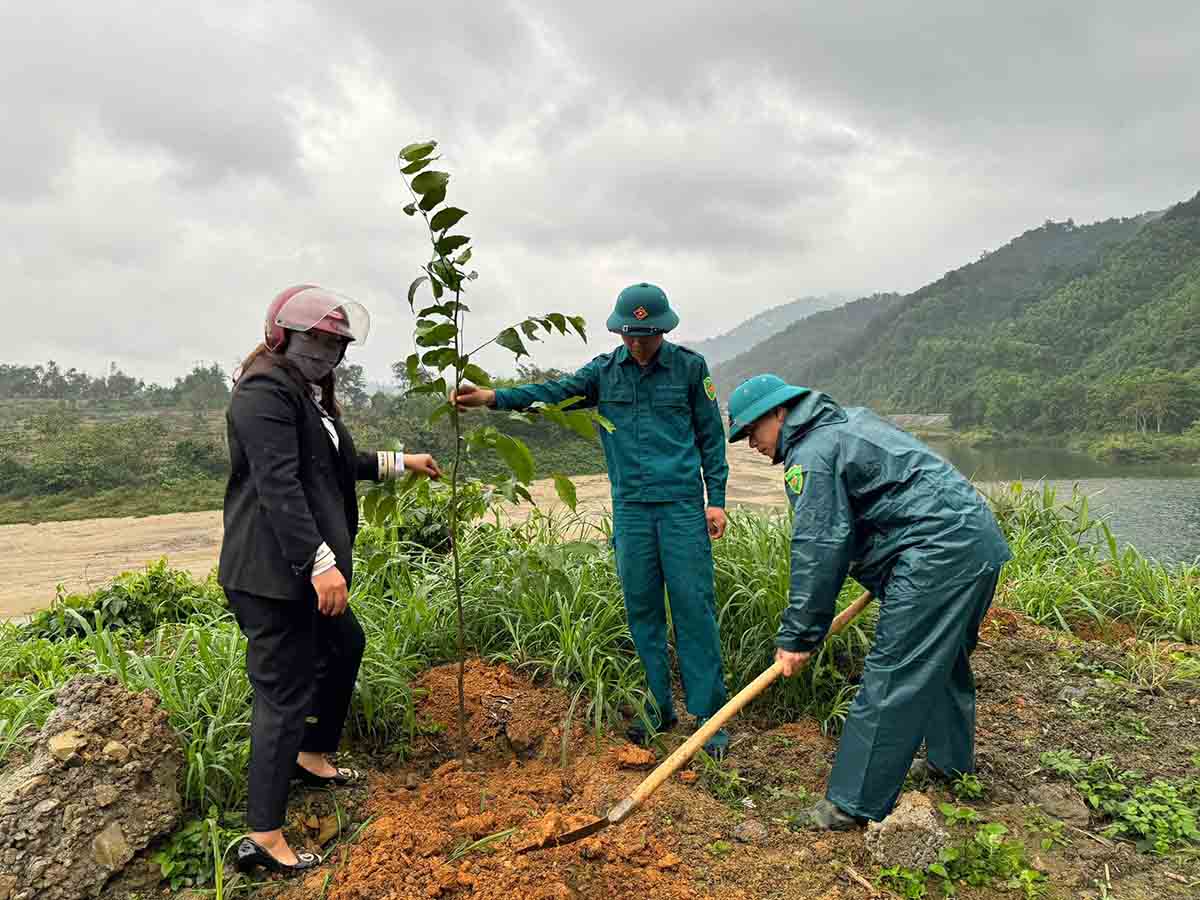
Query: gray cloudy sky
(168, 167)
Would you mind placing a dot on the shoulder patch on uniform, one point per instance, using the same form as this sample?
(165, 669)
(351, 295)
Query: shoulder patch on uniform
(709, 388)
(794, 478)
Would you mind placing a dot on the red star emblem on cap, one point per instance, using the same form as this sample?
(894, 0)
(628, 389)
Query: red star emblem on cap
(640, 313)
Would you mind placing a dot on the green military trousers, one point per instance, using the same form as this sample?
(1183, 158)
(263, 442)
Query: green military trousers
(668, 543)
(917, 686)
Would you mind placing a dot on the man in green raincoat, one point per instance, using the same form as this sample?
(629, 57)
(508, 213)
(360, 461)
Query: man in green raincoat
(666, 452)
(871, 501)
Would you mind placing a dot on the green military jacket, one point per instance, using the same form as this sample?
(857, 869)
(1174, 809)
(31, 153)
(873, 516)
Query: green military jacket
(668, 422)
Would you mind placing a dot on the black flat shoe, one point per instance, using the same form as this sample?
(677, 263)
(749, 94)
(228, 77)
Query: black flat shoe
(341, 778)
(251, 855)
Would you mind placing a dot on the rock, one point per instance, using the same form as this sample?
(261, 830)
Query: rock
(911, 836)
(1071, 693)
(330, 828)
(66, 745)
(81, 820)
(115, 751)
(46, 806)
(667, 861)
(105, 794)
(110, 849)
(412, 781)
(1061, 802)
(751, 831)
(525, 736)
(632, 757)
(688, 777)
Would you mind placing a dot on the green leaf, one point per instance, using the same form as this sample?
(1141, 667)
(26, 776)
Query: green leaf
(437, 336)
(430, 181)
(443, 410)
(437, 288)
(516, 456)
(510, 340)
(410, 209)
(529, 326)
(370, 503)
(448, 245)
(412, 290)
(581, 423)
(566, 490)
(476, 375)
(447, 273)
(412, 367)
(440, 309)
(432, 387)
(447, 218)
(580, 326)
(433, 198)
(441, 359)
(417, 151)
(463, 259)
(558, 320)
(557, 416)
(414, 168)
(603, 422)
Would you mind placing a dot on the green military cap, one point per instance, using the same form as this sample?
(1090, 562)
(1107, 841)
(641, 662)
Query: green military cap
(642, 309)
(756, 397)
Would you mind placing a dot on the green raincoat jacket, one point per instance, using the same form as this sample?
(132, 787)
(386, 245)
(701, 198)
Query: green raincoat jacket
(871, 501)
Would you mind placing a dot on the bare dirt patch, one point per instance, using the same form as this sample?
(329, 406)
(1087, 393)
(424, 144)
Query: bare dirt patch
(453, 831)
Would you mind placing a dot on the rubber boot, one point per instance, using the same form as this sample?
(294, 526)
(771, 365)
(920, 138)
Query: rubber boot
(826, 816)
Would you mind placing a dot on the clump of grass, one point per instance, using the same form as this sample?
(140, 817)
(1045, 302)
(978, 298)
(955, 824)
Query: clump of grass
(1068, 568)
(1159, 817)
(987, 858)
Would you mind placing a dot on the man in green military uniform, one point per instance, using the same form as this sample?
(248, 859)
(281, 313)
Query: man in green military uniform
(871, 501)
(666, 451)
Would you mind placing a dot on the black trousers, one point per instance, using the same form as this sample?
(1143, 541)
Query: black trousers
(302, 666)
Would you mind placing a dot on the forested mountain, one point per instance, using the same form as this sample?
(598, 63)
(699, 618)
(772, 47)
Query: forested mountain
(1066, 328)
(792, 352)
(760, 327)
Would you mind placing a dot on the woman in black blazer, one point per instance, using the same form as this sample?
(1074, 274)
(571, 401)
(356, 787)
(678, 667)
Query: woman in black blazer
(291, 515)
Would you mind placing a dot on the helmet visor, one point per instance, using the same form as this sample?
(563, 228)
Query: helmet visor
(305, 309)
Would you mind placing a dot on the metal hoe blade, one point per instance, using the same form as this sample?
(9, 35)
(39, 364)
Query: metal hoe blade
(570, 837)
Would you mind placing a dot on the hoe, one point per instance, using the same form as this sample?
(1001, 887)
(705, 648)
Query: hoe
(687, 750)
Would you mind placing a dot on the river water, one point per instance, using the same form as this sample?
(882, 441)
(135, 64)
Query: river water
(1154, 508)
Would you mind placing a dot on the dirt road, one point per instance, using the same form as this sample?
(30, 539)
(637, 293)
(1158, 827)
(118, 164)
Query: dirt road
(35, 559)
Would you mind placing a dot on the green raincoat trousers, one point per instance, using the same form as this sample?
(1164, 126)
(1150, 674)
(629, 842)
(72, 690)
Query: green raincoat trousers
(871, 501)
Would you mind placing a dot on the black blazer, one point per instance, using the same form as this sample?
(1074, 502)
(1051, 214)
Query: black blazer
(289, 487)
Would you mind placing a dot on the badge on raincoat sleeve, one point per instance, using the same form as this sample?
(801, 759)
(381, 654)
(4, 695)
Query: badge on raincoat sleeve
(794, 478)
(709, 388)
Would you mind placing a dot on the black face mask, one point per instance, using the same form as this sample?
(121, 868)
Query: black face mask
(313, 357)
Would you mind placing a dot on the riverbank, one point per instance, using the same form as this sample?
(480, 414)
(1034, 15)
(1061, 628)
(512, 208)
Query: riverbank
(1111, 448)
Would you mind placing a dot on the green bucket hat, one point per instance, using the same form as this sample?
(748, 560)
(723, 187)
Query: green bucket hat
(642, 309)
(756, 397)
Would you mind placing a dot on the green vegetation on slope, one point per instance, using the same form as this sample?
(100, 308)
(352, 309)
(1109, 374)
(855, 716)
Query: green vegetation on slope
(66, 461)
(760, 327)
(803, 345)
(1066, 329)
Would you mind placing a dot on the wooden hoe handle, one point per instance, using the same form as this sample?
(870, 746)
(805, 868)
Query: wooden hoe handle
(687, 750)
